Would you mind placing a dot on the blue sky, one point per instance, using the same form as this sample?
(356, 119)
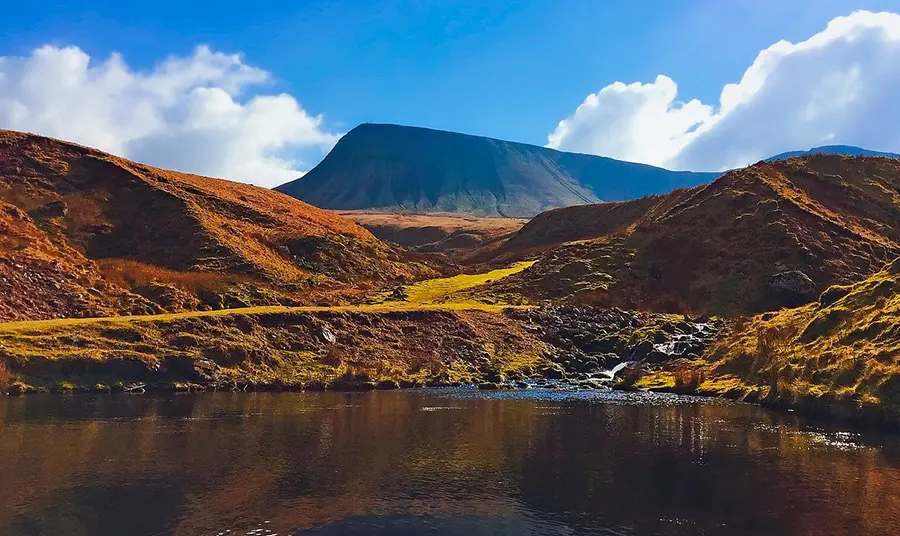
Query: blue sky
(511, 70)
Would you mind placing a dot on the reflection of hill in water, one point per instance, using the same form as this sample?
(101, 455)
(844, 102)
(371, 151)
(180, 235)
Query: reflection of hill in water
(469, 465)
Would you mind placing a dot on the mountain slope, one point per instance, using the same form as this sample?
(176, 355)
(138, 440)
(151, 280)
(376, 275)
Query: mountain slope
(770, 235)
(846, 150)
(85, 232)
(398, 168)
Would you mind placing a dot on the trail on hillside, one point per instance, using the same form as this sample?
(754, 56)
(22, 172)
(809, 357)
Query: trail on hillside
(432, 294)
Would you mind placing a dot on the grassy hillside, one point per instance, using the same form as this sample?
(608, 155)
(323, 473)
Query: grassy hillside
(279, 347)
(87, 233)
(409, 169)
(454, 234)
(836, 357)
(757, 239)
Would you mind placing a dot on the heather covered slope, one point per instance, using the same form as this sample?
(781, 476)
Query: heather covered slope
(838, 356)
(770, 235)
(397, 168)
(100, 234)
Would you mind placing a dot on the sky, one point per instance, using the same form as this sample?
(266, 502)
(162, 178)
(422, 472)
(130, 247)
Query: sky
(259, 92)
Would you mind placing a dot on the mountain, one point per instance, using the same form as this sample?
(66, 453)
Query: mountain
(846, 150)
(756, 239)
(87, 233)
(412, 169)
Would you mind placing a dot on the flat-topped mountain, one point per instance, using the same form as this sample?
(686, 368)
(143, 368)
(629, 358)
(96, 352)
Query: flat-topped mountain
(400, 168)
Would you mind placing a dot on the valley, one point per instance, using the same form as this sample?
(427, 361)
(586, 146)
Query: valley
(770, 284)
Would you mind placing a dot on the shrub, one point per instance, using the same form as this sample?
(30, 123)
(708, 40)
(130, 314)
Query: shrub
(688, 379)
(5, 376)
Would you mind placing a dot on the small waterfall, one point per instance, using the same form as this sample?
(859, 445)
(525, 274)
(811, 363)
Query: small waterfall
(612, 372)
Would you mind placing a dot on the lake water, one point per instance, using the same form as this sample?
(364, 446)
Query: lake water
(458, 462)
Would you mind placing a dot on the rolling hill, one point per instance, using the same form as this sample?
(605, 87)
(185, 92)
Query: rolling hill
(756, 239)
(87, 233)
(411, 169)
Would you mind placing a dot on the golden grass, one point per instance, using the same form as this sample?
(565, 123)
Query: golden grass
(38, 325)
(450, 290)
(128, 273)
(845, 348)
(430, 295)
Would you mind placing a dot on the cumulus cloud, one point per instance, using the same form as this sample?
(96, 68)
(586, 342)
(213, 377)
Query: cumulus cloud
(187, 113)
(838, 86)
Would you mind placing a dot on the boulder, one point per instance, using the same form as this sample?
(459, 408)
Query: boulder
(792, 287)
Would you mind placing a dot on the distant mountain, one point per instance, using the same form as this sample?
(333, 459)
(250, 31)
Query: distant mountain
(847, 150)
(399, 168)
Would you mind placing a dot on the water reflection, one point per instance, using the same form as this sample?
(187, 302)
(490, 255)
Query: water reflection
(434, 462)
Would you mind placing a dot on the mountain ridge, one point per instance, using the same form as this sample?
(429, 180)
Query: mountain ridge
(846, 150)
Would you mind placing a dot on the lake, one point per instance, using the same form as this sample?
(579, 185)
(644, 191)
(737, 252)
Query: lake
(455, 461)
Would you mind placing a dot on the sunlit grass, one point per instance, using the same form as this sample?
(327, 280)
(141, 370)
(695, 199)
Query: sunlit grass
(426, 295)
(442, 290)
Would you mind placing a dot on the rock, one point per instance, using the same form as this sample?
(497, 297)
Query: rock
(554, 373)
(53, 209)
(328, 336)
(641, 350)
(493, 376)
(792, 287)
(657, 356)
(521, 385)
(387, 385)
(488, 386)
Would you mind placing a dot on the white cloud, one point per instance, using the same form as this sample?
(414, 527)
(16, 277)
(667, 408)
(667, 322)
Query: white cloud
(188, 113)
(838, 86)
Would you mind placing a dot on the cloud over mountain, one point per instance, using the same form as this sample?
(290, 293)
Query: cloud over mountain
(189, 113)
(838, 86)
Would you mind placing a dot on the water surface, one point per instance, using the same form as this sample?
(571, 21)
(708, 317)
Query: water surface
(457, 462)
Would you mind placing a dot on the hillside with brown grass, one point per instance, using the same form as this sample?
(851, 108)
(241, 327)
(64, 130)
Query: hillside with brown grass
(836, 357)
(455, 234)
(760, 238)
(88, 233)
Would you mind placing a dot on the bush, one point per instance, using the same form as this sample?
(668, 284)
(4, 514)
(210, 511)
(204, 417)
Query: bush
(5, 376)
(688, 379)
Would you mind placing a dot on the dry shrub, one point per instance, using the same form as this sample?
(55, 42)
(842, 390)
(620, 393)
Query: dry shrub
(334, 357)
(689, 379)
(768, 343)
(5, 376)
(133, 274)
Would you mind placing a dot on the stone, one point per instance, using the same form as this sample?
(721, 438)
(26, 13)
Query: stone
(792, 287)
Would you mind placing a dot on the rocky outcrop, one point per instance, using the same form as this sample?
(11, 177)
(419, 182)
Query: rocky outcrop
(588, 342)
